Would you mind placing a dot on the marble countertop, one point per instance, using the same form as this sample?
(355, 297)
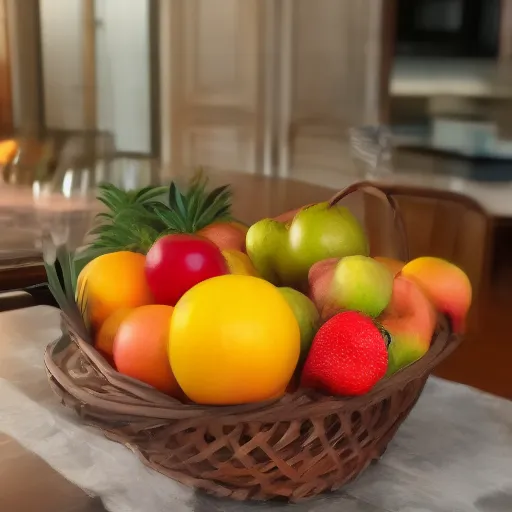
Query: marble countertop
(423, 76)
(453, 454)
(494, 197)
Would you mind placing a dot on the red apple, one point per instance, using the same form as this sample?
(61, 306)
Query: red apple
(176, 263)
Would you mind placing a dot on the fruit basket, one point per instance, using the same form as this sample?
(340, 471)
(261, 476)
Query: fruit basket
(247, 442)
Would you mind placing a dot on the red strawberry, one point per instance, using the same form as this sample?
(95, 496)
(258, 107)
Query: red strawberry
(348, 356)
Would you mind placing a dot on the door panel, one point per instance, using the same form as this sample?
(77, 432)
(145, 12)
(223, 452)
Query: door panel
(222, 147)
(283, 78)
(216, 100)
(335, 54)
(221, 50)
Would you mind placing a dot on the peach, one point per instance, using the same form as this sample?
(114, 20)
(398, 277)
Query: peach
(445, 284)
(226, 235)
(393, 265)
(141, 345)
(320, 278)
(410, 319)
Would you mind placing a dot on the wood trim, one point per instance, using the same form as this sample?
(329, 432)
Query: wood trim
(285, 87)
(5, 73)
(26, 66)
(154, 78)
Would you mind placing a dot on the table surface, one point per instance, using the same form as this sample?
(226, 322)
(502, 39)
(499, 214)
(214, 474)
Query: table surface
(453, 454)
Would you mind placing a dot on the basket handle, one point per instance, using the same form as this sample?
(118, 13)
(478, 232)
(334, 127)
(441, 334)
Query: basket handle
(375, 190)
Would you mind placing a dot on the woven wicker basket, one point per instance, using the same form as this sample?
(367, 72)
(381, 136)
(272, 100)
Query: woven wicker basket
(294, 448)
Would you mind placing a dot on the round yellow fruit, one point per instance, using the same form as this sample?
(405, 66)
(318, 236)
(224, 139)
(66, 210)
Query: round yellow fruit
(233, 339)
(239, 263)
(111, 282)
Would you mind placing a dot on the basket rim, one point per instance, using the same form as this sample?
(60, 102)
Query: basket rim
(147, 402)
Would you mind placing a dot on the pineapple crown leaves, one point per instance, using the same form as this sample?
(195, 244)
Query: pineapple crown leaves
(134, 220)
(128, 223)
(116, 199)
(133, 228)
(196, 208)
(62, 281)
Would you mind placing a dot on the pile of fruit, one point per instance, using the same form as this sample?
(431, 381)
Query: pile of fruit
(179, 295)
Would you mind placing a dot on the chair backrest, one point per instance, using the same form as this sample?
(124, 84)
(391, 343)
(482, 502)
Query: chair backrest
(443, 224)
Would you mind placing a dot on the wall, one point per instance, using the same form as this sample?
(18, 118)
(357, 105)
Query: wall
(123, 51)
(122, 46)
(61, 35)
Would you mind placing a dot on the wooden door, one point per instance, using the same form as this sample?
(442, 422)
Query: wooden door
(5, 74)
(216, 84)
(269, 86)
(335, 57)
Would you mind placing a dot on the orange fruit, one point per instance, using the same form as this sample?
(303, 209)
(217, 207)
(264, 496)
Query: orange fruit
(104, 339)
(233, 339)
(226, 235)
(140, 347)
(111, 282)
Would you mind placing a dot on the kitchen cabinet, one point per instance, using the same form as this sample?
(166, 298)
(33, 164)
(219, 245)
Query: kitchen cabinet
(260, 85)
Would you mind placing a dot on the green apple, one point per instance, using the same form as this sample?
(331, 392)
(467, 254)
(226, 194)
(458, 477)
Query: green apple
(283, 253)
(362, 284)
(307, 317)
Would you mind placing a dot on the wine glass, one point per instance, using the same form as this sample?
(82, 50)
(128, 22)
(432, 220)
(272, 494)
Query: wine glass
(371, 150)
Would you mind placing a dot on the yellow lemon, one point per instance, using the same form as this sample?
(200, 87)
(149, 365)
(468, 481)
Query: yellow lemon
(233, 340)
(239, 263)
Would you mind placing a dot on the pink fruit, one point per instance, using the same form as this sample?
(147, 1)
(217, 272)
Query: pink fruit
(410, 319)
(320, 279)
(445, 284)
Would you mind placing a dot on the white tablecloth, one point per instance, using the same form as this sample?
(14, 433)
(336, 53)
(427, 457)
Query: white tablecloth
(453, 454)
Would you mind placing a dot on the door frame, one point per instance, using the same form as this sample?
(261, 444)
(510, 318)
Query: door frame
(5, 74)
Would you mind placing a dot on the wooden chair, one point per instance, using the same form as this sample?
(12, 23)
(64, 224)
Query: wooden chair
(457, 228)
(23, 281)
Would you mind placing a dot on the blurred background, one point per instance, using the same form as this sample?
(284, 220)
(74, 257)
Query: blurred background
(289, 101)
(262, 86)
